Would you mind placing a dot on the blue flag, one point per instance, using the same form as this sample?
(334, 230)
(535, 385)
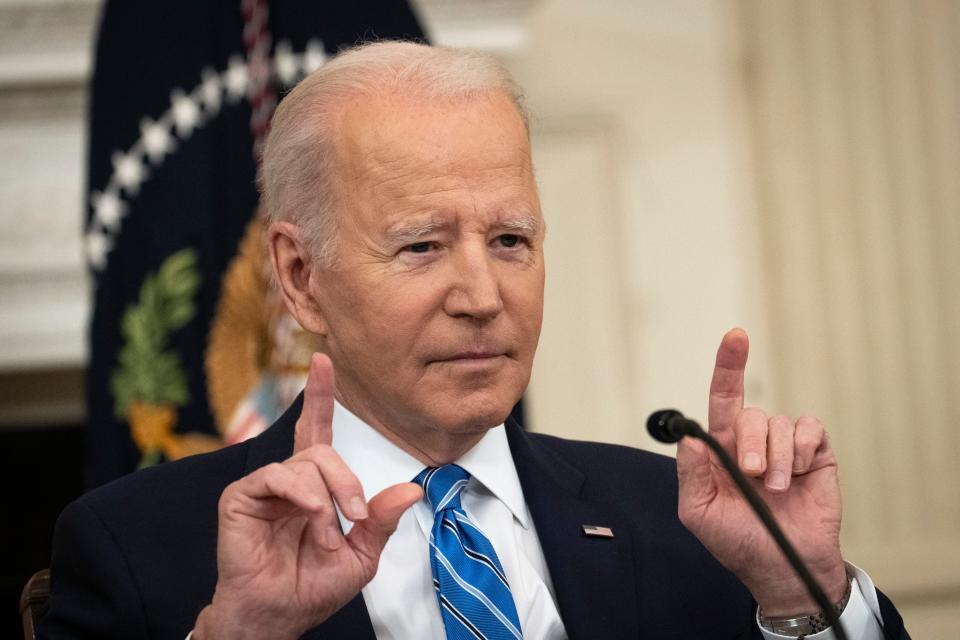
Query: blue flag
(182, 92)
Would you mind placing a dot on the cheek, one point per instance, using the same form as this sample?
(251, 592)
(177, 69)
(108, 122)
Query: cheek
(526, 298)
(386, 321)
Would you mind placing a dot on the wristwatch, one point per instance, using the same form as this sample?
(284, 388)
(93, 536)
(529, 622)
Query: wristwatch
(803, 626)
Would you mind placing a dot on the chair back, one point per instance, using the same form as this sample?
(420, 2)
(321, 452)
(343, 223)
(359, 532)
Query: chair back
(33, 602)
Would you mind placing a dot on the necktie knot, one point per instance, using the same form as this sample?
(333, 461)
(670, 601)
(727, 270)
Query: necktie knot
(442, 486)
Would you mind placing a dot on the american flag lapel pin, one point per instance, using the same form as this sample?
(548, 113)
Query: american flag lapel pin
(594, 531)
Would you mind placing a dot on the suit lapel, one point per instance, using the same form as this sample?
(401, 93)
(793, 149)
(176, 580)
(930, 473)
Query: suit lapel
(593, 577)
(276, 445)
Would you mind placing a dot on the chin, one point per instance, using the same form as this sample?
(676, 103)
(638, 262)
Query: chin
(475, 413)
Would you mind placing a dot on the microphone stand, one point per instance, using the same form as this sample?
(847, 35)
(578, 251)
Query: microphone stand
(670, 426)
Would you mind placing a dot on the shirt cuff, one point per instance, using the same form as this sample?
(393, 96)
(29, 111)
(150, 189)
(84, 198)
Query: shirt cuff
(860, 618)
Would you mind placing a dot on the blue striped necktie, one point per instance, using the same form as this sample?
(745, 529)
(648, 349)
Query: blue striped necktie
(472, 590)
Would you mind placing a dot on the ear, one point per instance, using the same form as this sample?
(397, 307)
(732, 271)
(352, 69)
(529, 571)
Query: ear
(293, 265)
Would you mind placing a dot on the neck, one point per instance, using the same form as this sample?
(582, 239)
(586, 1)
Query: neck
(432, 447)
(434, 453)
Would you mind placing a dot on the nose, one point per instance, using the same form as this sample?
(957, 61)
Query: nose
(475, 290)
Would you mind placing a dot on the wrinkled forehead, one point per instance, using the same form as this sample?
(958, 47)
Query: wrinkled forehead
(393, 134)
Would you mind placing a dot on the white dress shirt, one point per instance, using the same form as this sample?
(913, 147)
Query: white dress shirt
(401, 600)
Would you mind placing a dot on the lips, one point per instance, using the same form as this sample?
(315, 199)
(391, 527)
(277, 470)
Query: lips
(467, 356)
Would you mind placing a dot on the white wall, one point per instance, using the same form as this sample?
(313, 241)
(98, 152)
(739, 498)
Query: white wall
(642, 157)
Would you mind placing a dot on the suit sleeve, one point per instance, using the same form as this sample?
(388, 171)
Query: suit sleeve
(92, 591)
(893, 628)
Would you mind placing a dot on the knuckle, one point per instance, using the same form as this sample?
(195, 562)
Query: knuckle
(319, 454)
(324, 454)
(322, 448)
(810, 431)
(806, 440)
(323, 509)
(781, 422)
(781, 458)
(302, 468)
(314, 456)
(344, 488)
(753, 413)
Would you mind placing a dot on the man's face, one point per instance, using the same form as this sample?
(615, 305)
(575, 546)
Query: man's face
(432, 311)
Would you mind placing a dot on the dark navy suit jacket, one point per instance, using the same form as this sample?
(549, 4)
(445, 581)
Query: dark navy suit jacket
(137, 558)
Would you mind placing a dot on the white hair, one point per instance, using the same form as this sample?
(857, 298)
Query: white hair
(296, 178)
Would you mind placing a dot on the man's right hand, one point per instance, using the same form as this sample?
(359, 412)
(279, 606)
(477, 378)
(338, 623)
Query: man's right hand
(284, 566)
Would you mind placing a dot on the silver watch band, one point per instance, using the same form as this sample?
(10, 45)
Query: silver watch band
(806, 625)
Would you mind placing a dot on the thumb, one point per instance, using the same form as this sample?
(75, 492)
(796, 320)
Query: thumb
(369, 535)
(695, 475)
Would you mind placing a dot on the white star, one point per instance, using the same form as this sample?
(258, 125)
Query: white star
(157, 140)
(236, 79)
(129, 171)
(97, 246)
(186, 113)
(314, 57)
(107, 208)
(211, 90)
(285, 63)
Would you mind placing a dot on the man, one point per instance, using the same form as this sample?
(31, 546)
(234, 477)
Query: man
(407, 235)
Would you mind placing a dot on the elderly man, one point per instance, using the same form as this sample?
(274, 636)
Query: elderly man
(391, 501)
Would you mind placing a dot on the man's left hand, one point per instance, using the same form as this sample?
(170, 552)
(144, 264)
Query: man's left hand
(793, 468)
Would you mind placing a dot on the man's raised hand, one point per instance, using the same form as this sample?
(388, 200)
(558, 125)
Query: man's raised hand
(283, 563)
(795, 471)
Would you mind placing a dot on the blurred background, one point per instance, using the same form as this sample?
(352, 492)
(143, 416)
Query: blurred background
(789, 167)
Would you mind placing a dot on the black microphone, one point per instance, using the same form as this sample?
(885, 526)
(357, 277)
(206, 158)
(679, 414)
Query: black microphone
(669, 426)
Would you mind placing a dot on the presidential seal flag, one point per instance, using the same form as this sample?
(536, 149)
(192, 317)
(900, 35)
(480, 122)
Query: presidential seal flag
(189, 345)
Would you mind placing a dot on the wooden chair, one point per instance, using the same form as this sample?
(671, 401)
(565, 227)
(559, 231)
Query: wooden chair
(33, 602)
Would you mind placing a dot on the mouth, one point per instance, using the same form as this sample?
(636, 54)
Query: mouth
(471, 356)
(472, 360)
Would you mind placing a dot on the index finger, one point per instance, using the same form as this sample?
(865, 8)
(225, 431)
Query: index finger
(726, 387)
(315, 425)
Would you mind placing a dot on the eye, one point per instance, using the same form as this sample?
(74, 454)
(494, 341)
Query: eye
(419, 247)
(508, 240)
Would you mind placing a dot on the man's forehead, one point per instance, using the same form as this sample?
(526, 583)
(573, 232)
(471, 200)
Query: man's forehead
(398, 128)
(414, 164)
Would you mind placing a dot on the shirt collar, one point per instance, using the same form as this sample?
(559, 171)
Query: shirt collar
(490, 463)
(378, 463)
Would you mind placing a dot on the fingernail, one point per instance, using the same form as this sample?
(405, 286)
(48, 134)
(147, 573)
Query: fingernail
(798, 464)
(358, 508)
(332, 537)
(751, 462)
(777, 480)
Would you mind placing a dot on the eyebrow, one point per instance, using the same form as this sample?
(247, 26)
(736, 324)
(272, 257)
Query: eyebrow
(530, 224)
(410, 232)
